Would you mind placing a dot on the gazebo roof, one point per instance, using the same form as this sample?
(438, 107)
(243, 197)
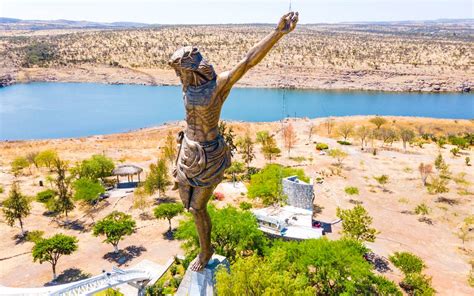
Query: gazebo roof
(126, 170)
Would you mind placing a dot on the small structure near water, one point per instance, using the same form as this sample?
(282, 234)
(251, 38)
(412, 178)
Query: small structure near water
(130, 171)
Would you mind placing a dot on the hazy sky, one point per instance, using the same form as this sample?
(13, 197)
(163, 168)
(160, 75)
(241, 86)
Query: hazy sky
(234, 11)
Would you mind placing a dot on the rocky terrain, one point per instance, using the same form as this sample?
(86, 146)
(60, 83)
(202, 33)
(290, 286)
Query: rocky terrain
(419, 56)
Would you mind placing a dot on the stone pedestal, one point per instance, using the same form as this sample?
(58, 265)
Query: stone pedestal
(202, 283)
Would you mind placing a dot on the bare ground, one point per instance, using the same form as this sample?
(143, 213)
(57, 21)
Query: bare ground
(446, 257)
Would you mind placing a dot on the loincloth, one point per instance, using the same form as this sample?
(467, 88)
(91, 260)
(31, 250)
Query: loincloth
(201, 164)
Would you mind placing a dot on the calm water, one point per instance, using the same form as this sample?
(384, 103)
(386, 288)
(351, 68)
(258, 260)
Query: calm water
(56, 110)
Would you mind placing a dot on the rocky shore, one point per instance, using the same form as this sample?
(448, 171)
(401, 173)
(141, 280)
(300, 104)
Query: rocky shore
(6, 80)
(363, 80)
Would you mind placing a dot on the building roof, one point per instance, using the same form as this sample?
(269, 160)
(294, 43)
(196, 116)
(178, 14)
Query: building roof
(126, 170)
(295, 222)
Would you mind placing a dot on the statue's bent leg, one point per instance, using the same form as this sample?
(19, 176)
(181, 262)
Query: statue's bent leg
(200, 197)
(185, 193)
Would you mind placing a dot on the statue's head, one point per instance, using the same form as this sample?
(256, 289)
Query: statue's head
(190, 67)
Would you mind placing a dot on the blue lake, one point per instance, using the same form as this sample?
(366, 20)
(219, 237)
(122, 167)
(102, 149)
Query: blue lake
(57, 110)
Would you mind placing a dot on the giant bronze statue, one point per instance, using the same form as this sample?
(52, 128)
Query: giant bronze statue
(203, 154)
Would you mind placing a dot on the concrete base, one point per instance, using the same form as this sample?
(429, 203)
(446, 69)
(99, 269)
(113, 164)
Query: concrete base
(202, 283)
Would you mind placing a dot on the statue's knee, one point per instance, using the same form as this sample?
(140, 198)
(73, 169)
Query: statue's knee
(196, 210)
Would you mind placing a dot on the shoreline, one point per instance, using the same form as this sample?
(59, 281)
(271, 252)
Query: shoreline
(181, 124)
(298, 79)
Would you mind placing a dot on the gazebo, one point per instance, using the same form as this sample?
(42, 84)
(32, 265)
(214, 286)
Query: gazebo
(130, 171)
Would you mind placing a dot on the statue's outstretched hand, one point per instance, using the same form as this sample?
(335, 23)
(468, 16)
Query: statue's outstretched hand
(288, 22)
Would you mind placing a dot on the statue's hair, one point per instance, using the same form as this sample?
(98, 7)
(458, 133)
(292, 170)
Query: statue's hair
(190, 58)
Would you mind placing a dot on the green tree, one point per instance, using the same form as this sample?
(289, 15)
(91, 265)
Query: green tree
(87, 190)
(18, 165)
(16, 207)
(62, 182)
(236, 168)
(407, 262)
(407, 135)
(378, 121)
(114, 227)
(345, 130)
(245, 147)
(31, 157)
(97, 167)
(158, 178)
(363, 133)
(168, 211)
(51, 249)
(356, 224)
(309, 267)
(169, 150)
(267, 185)
(46, 158)
(382, 180)
(234, 232)
(387, 135)
(228, 135)
(268, 143)
(338, 155)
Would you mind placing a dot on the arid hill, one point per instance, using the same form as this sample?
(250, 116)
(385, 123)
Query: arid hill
(427, 56)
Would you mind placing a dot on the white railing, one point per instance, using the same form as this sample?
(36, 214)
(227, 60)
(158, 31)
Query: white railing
(84, 287)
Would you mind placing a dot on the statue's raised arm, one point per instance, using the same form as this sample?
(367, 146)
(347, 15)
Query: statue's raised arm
(259, 51)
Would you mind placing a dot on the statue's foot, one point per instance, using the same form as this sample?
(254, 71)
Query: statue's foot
(200, 261)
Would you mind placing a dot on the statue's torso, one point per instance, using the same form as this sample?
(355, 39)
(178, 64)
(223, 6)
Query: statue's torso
(203, 107)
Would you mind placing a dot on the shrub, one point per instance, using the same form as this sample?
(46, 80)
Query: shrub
(455, 151)
(1, 189)
(18, 164)
(45, 196)
(422, 209)
(337, 154)
(382, 180)
(438, 185)
(356, 224)
(417, 284)
(245, 206)
(344, 142)
(407, 262)
(352, 190)
(461, 143)
(322, 146)
(34, 236)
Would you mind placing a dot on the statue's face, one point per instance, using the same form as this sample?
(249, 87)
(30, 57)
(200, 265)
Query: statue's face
(186, 76)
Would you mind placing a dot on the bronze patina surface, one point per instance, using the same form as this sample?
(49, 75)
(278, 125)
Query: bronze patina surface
(204, 155)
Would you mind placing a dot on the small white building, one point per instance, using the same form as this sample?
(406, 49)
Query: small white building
(287, 222)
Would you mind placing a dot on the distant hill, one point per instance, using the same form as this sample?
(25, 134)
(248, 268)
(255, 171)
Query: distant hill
(19, 24)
